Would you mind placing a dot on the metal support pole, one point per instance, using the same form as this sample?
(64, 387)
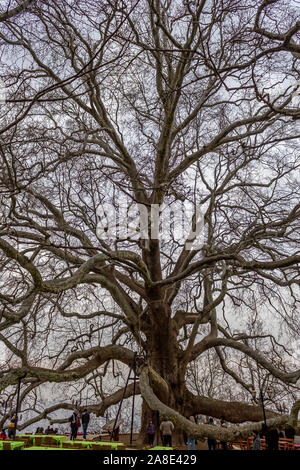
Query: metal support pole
(132, 410)
(157, 427)
(263, 406)
(6, 403)
(18, 405)
(124, 391)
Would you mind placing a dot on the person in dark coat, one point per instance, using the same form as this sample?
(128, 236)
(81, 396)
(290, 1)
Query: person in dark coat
(272, 438)
(211, 442)
(290, 432)
(150, 430)
(75, 424)
(223, 425)
(116, 433)
(85, 419)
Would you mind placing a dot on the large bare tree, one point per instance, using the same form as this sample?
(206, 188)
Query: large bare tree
(158, 103)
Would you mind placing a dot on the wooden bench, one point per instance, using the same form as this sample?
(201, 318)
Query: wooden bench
(286, 444)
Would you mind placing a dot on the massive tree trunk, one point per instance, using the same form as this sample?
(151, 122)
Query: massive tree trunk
(163, 356)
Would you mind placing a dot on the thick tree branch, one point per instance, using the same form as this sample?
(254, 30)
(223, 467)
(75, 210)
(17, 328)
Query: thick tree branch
(17, 10)
(199, 431)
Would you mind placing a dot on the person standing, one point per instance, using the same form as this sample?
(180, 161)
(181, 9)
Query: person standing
(166, 428)
(212, 443)
(256, 441)
(150, 432)
(3, 435)
(85, 419)
(191, 440)
(272, 438)
(223, 425)
(116, 432)
(75, 424)
(290, 432)
(11, 427)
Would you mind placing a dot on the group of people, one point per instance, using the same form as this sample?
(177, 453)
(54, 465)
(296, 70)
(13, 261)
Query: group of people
(10, 430)
(166, 428)
(49, 430)
(212, 443)
(272, 436)
(76, 422)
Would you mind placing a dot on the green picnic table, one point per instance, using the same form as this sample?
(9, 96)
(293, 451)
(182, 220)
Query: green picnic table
(111, 445)
(83, 443)
(31, 436)
(60, 439)
(161, 448)
(14, 445)
(45, 448)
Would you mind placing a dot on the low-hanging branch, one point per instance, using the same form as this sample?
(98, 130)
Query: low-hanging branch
(200, 431)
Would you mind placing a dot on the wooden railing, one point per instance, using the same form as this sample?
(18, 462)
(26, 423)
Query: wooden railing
(283, 444)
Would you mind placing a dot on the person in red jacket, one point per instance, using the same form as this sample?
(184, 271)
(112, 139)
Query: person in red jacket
(3, 435)
(75, 424)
